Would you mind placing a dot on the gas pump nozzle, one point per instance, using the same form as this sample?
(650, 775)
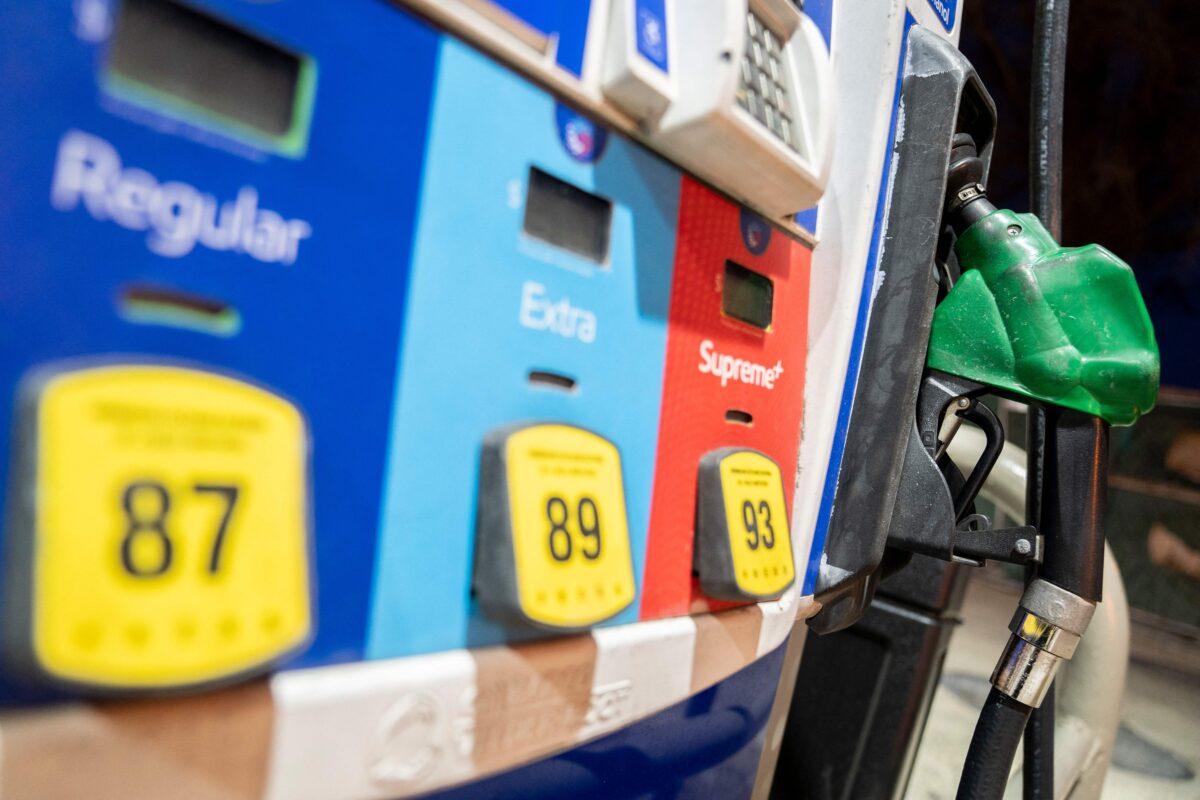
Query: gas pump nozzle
(1063, 328)
(1066, 329)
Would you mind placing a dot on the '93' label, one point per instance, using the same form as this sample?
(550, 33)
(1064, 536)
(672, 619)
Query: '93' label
(743, 541)
(757, 524)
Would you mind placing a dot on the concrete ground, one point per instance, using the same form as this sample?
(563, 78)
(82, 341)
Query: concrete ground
(1157, 753)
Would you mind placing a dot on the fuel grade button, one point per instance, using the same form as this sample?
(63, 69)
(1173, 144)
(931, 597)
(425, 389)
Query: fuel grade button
(162, 536)
(552, 536)
(743, 541)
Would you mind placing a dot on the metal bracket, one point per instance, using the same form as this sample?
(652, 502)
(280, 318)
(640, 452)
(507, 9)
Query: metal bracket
(976, 541)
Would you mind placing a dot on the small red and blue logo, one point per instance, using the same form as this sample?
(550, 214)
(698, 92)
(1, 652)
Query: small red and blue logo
(583, 139)
(756, 233)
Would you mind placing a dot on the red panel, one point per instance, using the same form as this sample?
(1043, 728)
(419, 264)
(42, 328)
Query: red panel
(695, 402)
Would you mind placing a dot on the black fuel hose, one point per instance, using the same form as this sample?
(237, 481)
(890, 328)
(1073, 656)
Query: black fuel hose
(1045, 200)
(990, 757)
(1002, 721)
(1046, 113)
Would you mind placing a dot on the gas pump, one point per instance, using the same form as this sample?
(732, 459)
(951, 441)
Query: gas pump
(421, 379)
(450, 377)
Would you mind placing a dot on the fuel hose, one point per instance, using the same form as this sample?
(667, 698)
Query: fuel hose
(1048, 78)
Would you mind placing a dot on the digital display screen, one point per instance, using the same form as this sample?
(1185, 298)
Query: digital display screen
(567, 216)
(166, 52)
(747, 296)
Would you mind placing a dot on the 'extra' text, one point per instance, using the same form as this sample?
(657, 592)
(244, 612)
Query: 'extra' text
(540, 313)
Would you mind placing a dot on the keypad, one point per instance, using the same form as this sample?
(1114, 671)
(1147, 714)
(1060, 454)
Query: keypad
(764, 88)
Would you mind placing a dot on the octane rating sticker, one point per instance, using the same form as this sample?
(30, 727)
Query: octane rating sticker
(170, 527)
(756, 519)
(569, 528)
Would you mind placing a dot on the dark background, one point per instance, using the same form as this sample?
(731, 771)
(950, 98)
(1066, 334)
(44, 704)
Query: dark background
(1131, 178)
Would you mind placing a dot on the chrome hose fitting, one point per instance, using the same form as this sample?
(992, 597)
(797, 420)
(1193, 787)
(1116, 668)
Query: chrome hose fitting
(1046, 629)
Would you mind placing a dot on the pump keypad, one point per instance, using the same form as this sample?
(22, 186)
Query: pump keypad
(743, 540)
(552, 545)
(166, 528)
(764, 87)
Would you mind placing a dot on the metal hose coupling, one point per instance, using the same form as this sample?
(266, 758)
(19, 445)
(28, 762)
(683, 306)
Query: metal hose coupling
(1046, 629)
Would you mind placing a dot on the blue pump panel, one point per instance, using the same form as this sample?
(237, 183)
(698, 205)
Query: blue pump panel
(493, 301)
(107, 201)
(392, 234)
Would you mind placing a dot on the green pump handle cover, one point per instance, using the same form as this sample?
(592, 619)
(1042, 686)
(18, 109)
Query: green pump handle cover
(1060, 325)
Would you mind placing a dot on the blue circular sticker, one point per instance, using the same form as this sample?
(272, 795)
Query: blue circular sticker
(583, 138)
(756, 233)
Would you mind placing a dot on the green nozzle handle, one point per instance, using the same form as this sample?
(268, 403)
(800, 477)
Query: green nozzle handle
(1065, 326)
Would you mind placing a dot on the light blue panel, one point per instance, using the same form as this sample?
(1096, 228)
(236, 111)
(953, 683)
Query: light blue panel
(466, 355)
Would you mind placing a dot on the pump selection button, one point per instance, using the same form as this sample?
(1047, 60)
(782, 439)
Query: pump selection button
(743, 541)
(164, 521)
(637, 73)
(552, 546)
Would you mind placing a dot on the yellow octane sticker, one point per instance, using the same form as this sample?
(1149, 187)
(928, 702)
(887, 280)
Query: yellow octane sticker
(570, 531)
(171, 527)
(756, 518)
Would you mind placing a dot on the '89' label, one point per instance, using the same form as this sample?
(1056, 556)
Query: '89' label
(553, 547)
